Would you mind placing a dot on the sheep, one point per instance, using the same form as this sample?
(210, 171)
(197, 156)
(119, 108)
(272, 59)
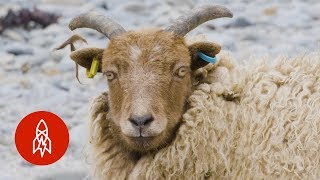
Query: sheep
(170, 115)
(243, 122)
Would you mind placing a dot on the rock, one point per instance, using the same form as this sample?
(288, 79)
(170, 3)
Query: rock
(19, 49)
(13, 35)
(25, 84)
(211, 26)
(104, 5)
(41, 58)
(57, 56)
(6, 59)
(314, 12)
(250, 37)
(179, 3)
(4, 141)
(50, 68)
(60, 86)
(135, 7)
(270, 11)
(240, 22)
(25, 67)
(52, 72)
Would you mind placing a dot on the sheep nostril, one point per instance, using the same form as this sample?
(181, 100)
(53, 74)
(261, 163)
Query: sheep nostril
(141, 120)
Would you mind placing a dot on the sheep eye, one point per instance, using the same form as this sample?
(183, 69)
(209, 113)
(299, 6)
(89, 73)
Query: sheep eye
(110, 75)
(182, 71)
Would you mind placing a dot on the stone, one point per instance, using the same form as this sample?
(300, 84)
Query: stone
(19, 49)
(270, 11)
(13, 35)
(240, 22)
(135, 7)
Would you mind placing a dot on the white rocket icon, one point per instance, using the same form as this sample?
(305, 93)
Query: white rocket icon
(41, 142)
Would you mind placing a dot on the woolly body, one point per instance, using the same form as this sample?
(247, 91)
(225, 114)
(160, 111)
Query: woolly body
(243, 121)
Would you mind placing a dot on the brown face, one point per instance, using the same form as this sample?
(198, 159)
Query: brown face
(149, 80)
(149, 73)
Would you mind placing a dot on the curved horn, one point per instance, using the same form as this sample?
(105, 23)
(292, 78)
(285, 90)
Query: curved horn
(197, 16)
(99, 22)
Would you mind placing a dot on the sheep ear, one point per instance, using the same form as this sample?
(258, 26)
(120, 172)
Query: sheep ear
(84, 57)
(206, 49)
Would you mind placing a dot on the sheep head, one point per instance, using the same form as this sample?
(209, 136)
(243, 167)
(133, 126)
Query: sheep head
(150, 74)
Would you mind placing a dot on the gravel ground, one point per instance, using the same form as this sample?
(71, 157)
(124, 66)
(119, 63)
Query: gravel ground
(34, 77)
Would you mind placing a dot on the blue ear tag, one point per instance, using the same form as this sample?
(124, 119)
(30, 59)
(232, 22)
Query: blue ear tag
(207, 58)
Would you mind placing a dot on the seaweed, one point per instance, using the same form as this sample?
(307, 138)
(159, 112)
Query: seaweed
(24, 18)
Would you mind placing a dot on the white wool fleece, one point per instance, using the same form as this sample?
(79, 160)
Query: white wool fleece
(244, 122)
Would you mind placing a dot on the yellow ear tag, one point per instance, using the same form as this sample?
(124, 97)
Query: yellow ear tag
(93, 69)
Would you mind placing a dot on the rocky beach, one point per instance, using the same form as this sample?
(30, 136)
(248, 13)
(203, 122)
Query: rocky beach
(34, 77)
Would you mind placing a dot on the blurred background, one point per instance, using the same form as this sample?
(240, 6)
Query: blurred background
(35, 77)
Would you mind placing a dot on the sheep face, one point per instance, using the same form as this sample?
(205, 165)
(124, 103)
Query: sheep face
(149, 79)
(149, 73)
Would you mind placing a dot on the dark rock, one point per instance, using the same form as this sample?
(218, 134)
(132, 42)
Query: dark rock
(61, 87)
(19, 50)
(104, 5)
(250, 37)
(211, 26)
(240, 22)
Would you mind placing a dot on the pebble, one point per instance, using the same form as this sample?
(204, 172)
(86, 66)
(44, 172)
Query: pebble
(13, 35)
(211, 26)
(25, 67)
(240, 22)
(270, 11)
(6, 58)
(135, 7)
(250, 37)
(60, 86)
(19, 49)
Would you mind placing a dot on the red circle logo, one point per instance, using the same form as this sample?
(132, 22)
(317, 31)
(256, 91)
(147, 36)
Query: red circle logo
(42, 138)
